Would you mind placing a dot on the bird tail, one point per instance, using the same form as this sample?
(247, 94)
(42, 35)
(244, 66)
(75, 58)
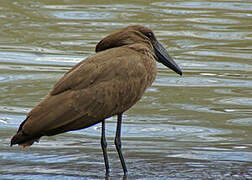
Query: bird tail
(23, 139)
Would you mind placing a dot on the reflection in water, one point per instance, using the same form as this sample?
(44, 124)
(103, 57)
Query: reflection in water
(183, 128)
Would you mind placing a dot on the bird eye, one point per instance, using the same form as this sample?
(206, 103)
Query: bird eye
(149, 34)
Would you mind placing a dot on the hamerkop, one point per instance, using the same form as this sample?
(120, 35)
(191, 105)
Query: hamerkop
(103, 85)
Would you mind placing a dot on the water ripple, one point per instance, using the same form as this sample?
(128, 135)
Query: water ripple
(189, 127)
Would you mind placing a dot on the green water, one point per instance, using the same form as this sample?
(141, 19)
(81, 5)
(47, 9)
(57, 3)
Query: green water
(198, 126)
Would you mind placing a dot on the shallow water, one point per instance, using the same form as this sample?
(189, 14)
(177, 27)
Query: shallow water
(195, 127)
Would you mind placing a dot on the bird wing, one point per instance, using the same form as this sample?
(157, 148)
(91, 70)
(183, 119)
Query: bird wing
(99, 67)
(101, 86)
(84, 72)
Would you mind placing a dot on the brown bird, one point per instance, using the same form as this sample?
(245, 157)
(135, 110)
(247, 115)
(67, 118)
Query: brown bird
(103, 85)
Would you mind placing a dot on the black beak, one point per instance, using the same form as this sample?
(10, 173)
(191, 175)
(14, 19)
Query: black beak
(165, 58)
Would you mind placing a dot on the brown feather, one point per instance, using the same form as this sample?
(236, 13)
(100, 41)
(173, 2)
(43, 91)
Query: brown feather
(104, 84)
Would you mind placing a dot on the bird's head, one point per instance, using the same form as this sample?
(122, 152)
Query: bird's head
(138, 34)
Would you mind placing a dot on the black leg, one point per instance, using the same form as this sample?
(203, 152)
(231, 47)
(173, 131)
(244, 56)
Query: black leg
(104, 147)
(118, 143)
